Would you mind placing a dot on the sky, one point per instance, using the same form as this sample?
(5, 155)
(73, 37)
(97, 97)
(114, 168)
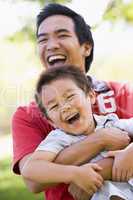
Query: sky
(91, 10)
(105, 35)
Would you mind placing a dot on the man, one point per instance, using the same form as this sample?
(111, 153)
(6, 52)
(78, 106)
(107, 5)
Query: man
(64, 38)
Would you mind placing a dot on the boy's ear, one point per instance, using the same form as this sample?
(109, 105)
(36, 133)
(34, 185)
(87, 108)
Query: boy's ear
(51, 122)
(92, 97)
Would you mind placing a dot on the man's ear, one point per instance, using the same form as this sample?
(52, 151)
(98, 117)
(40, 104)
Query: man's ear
(87, 49)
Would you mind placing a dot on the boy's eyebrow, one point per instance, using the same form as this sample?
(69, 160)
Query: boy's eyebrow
(65, 94)
(56, 31)
(50, 102)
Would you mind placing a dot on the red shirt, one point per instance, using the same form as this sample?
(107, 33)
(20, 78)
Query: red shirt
(29, 128)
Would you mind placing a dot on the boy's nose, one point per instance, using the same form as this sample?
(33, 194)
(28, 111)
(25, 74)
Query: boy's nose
(65, 110)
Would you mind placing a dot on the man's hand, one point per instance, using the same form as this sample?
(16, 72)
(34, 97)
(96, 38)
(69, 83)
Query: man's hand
(113, 138)
(123, 164)
(88, 178)
(77, 193)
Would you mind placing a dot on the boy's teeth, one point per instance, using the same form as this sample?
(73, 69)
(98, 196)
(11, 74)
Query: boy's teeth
(69, 117)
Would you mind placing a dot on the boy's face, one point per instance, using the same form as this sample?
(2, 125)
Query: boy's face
(58, 43)
(68, 107)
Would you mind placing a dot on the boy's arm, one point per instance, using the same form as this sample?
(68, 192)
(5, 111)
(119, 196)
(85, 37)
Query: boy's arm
(77, 154)
(33, 186)
(106, 173)
(40, 168)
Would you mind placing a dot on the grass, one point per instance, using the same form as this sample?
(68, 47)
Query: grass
(11, 185)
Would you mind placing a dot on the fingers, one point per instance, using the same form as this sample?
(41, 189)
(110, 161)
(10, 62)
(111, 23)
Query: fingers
(112, 153)
(123, 176)
(96, 167)
(99, 184)
(117, 174)
(114, 173)
(129, 175)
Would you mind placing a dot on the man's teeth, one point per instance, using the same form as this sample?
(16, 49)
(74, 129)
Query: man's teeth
(56, 57)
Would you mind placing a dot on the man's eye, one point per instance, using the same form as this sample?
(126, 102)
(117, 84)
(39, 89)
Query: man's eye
(63, 36)
(43, 40)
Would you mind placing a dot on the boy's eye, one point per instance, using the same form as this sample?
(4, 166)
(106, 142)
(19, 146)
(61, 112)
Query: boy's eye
(70, 96)
(53, 107)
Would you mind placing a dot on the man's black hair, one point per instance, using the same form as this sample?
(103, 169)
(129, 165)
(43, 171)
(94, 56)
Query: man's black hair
(82, 30)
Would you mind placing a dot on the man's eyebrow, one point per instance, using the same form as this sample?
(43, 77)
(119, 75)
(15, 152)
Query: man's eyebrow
(62, 30)
(41, 35)
(56, 31)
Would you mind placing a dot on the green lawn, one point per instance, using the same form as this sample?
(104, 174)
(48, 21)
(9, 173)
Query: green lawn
(11, 186)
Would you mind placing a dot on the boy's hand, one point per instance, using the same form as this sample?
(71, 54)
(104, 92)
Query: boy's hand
(87, 178)
(77, 193)
(123, 164)
(113, 138)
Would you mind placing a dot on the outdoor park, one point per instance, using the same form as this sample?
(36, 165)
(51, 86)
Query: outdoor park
(20, 65)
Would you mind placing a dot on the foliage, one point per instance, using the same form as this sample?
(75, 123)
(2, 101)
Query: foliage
(12, 187)
(119, 9)
(28, 28)
(51, 1)
(19, 65)
(42, 2)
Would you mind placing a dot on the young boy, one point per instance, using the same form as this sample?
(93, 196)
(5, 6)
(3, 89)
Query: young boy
(65, 96)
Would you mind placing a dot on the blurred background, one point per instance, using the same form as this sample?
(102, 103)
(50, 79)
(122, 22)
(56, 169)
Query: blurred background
(112, 27)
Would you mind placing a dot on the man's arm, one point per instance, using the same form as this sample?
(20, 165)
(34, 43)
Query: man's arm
(103, 139)
(79, 153)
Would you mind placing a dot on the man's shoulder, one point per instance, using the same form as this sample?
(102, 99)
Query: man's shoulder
(101, 86)
(29, 112)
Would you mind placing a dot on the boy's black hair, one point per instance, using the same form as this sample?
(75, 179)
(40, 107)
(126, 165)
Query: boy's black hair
(82, 30)
(62, 72)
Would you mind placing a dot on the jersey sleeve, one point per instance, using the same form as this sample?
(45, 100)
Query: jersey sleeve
(126, 125)
(55, 141)
(28, 130)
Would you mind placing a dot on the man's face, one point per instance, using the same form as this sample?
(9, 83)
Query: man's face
(58, 43)
(68, 107)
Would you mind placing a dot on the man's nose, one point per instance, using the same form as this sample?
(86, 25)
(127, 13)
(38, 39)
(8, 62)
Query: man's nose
(52, 44)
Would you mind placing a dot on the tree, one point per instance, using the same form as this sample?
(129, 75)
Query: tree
(119, 10)
(28, 29)
(42, 2)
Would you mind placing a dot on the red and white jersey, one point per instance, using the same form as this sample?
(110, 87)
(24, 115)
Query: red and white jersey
(114, 97)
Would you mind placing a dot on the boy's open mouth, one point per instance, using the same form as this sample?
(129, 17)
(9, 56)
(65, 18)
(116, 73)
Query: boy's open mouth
(73, 118)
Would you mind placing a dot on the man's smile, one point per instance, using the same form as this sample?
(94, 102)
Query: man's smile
(56, 59)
